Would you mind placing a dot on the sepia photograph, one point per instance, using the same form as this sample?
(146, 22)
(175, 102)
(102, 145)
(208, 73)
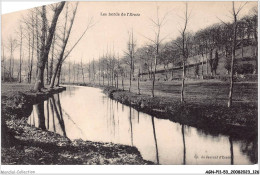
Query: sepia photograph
(130, 83)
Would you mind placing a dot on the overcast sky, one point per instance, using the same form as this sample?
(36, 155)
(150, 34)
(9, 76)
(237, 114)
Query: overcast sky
(112, 31)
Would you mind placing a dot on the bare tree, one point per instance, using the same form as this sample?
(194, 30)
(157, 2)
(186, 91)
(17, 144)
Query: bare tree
(74, 72)
(82, 71)
(69, 71)
(130, 53)
(78, 70)
(32, 46)
(93, 70)
(184, 49)
(63, 55)
(12, 46)
(89, 72)
(65, 39)
(138, 82)
(21, 49)
(99, 70)
(234, 46)
(45, 45)
(3, 61)
(157, 24)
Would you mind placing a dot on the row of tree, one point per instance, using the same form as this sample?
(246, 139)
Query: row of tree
(46, 39)
(43, 38)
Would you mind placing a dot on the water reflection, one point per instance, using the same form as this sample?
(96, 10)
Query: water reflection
(231, 151)
(86, 113)
(155, 141)
(184, 146)
(131, 126)
(45, 118)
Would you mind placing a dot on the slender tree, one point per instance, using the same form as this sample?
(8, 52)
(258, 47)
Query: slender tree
(184, 49)
(235, 14)
(3, 61)
(82, 71)
(12, 46)
(21, 50)
(158, 23)
(130, 53)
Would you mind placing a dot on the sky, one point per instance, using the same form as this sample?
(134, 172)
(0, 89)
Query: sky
(111, 32)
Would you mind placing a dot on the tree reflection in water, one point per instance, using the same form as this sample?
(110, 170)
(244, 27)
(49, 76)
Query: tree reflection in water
(48, 116)
(39, 109)
(58, 112)
(184, 145)
(131, 125)
(231, 151)
(155, 141)
(53, 110)
(120, 123)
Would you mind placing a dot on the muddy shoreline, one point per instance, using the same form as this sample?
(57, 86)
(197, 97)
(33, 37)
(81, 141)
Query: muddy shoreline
(23, 144)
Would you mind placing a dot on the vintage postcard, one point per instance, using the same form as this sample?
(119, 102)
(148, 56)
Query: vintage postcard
(130, 83)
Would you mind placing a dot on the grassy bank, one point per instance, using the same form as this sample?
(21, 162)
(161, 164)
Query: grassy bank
(23, 144)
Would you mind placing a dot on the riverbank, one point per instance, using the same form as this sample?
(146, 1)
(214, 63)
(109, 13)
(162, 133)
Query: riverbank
(205, 105)
(24, 144)
(239, 121)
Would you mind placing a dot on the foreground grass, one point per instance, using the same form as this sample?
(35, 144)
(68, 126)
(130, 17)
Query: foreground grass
(23, 144)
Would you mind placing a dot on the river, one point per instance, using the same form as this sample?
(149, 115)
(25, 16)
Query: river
(88, 114)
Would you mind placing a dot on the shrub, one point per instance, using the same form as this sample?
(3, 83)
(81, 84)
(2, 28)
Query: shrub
(244, 69)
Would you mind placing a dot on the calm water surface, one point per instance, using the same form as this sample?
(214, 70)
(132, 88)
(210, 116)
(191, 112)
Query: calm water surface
(86, 113)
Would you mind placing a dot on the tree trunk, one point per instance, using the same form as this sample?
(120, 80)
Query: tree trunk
(69, 71)
(37, 41)
(182, 84)
(155, 64)
(153, 82)
(58, 77)
(117, 81)
(207, 72)
(82, 71)
(20, 64)
(123, 82)
(103, 78)
(138, 84)
(130, 78)
(29, 61)
(46, 48)
(74, 72)
(47, 72)
(51, 62)
(3, 64)
(232, 59)
(31, 64)
(202, 66)
(40, 113)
